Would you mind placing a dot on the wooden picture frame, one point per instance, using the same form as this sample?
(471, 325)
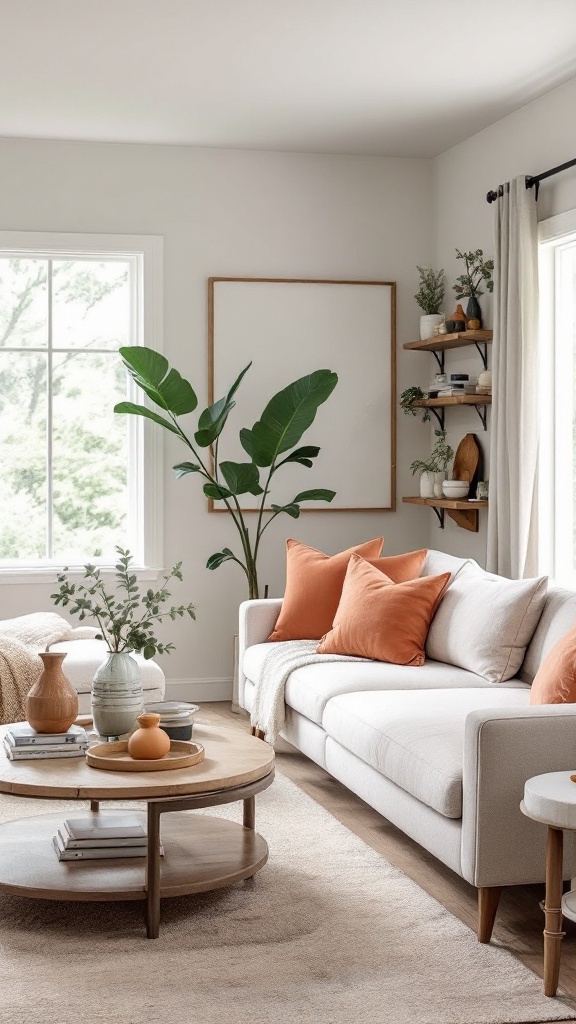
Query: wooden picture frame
(289, 327)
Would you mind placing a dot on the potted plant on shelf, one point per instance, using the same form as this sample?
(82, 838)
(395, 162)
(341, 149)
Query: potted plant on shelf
(433, 470)
(269, 444)
(467, 285)
(409, 397)
(126, 619)
(429, 297)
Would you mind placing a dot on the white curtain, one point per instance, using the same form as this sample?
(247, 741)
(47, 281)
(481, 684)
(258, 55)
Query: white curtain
(512, 509)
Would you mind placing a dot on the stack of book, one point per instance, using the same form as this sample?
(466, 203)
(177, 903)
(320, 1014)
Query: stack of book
(453, 387)
(23, 743)
(101, 837)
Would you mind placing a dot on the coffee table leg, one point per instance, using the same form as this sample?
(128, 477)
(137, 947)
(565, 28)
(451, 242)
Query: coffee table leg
(153, 872)
(250, 813)
(553, 909)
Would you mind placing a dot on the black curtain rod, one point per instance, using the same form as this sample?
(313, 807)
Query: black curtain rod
(533, 180)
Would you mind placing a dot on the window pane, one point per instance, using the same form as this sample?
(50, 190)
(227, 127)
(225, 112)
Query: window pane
(89, 456)
(90, 304)
(23, 455)
(23, 303)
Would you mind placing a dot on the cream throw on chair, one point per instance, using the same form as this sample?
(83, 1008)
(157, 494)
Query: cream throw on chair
(21, 641)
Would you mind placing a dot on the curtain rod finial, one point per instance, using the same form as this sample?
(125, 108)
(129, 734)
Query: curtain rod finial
(491, 196)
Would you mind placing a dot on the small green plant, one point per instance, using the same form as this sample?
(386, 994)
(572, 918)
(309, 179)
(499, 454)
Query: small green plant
(477, 270)
(430, 294)
(126, 617)
(439, 457)
(407, 403)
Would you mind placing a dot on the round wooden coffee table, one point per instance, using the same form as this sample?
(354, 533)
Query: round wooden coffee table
(200, 852)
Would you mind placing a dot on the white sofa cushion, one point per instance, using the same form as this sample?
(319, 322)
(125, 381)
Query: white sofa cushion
(557, 619)
(485, 622)
(83, 657)
(437, 562)
(308, 689)
(415, 738)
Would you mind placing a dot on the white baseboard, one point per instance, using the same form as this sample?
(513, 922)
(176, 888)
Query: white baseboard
(199, 690)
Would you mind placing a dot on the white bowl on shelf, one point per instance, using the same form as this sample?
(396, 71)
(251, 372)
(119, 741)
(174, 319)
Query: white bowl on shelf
(455, 488)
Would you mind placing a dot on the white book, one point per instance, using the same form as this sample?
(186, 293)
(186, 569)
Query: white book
(15, 754)
(105, 826)
(87, 844)
(50, 748)
(99, 853)
(21, 733)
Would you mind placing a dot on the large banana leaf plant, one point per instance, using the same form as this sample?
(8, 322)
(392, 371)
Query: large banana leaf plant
(271, 443)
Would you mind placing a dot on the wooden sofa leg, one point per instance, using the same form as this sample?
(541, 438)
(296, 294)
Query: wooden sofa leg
(257, 732)
(488, 899)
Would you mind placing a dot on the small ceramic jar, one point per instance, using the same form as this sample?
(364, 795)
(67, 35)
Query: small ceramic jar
(149, 742)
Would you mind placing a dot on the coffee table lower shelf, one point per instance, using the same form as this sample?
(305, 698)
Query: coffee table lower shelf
(201, 853)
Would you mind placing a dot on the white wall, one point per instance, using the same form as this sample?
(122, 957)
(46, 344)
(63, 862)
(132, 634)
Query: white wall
(534, 139)
(243, 214)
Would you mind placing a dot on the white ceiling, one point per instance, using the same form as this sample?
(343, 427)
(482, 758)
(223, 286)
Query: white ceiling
(390, 77)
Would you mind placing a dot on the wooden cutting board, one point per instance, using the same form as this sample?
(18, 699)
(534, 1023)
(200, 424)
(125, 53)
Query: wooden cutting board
(468, 462)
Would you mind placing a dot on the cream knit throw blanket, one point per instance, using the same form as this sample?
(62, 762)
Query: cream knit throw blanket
(21, 640)
(269, 709)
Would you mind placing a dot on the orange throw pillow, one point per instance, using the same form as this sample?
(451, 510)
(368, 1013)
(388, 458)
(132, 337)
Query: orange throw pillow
(555, 680)
(379, 619)
(313, 587)
(400, 568)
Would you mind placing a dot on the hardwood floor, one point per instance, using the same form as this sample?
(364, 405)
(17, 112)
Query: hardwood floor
(519, 922)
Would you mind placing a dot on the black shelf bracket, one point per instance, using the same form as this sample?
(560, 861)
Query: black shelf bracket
(440, 513)
(482, 411)
(482, 347)
(439, 357)
(439, 414)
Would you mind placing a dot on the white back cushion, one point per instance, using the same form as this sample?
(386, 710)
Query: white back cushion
(485, 622)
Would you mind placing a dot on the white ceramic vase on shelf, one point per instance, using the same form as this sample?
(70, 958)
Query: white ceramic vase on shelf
(117, 698)
(427, 323)
(427, 485)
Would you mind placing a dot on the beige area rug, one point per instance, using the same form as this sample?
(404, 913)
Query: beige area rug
(329, 933)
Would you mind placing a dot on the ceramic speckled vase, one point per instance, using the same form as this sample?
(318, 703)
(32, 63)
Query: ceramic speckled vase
(117, 698)
(52, 703)
(149, 742)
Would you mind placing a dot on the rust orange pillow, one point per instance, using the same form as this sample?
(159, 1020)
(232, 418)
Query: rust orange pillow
(555, 680)
(400, 568)
(313, 588)
(379, 619)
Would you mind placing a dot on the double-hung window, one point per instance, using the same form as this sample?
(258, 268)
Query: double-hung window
(75, 478)
(557, 390)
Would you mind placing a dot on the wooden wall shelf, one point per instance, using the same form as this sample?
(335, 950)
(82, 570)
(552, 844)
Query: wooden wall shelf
(464, 513)
(478, 401)
(439, 344)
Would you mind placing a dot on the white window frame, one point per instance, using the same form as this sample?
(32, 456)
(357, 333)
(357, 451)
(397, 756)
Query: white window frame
(145, 437)
(556, 487)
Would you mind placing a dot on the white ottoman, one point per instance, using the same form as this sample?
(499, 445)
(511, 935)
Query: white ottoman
(82, 659)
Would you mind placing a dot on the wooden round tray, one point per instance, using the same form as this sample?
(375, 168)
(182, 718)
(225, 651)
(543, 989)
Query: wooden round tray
(114, 757)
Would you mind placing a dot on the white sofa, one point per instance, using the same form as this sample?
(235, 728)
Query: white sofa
(437, 750)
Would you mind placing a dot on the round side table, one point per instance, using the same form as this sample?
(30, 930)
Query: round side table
(551, 800)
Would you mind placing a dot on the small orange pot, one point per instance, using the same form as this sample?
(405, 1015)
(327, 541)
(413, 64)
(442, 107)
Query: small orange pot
(149, 742)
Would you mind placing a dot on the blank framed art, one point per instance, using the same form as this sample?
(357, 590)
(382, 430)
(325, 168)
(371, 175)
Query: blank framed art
(288, 328)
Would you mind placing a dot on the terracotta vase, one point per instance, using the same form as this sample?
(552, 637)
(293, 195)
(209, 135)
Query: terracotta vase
(149, 742)
(52, 703)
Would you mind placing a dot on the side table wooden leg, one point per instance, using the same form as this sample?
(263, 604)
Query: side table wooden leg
(553, 933)
(94, 805)
(153, 873)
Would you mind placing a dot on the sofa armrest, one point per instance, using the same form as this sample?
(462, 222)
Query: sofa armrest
(256, 621)
(503, 747)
